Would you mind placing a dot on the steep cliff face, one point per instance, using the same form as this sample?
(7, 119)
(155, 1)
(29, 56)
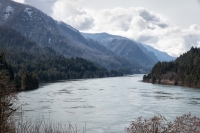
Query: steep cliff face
(66, 40)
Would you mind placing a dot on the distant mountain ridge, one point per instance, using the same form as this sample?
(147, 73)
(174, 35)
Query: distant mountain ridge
(124, 47)
(162, 56)
(63, 38)
(110, 41)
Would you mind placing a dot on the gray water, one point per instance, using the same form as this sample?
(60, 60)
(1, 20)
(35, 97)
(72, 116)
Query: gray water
(108, 105)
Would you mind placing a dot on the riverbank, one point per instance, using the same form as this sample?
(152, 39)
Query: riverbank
(168, 82)
(163, 82)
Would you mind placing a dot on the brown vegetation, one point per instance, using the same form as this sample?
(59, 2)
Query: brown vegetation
(44, 126)
(7, 96)
(159, 124)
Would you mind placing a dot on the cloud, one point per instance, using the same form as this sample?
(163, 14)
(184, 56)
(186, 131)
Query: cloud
(177, 41)
(151, 17)
(132, 21)
(72, 13)
(148, 27)
(195, 27)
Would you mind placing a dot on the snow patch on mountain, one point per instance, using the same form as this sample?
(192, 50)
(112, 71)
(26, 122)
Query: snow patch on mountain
(9, 10)
(29, 11)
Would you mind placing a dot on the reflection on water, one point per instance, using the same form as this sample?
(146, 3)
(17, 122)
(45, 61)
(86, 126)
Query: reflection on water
(108, 105)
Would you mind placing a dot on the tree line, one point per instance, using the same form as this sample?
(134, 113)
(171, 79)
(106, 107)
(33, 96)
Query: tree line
(184, 71)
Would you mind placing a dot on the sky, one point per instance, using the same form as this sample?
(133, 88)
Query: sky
(172, 26)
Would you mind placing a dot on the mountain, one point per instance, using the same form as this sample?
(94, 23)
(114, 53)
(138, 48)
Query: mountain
(131, 51)
(184, 71)
(59, 36)
(135, 48)
(124, 47)
(162, 56)
(28, 60)
(148, 52)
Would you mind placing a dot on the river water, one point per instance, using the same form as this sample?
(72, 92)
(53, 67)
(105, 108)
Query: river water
(108, 105)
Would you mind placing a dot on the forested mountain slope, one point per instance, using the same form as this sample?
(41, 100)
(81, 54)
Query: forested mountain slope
(26, 56)
(184, 71)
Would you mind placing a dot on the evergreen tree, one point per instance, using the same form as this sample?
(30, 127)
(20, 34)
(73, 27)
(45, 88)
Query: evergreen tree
(184, 71)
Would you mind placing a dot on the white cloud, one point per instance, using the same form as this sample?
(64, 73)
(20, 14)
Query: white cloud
(20, 1)
(195, 27)
(72, 13)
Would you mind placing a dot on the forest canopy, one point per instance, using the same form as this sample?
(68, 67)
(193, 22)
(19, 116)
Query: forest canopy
(184, 71)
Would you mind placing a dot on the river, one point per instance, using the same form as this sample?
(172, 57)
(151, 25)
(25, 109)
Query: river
(108, 105)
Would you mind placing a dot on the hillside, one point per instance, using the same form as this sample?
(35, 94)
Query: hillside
(123, 47)
(162, 56)
(129, 49)
(45, 63)
(63, 38)
(184, 71)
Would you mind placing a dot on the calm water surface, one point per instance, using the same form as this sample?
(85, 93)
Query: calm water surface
(108, 105)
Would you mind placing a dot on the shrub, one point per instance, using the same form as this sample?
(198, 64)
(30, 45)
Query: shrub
(159, 124)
